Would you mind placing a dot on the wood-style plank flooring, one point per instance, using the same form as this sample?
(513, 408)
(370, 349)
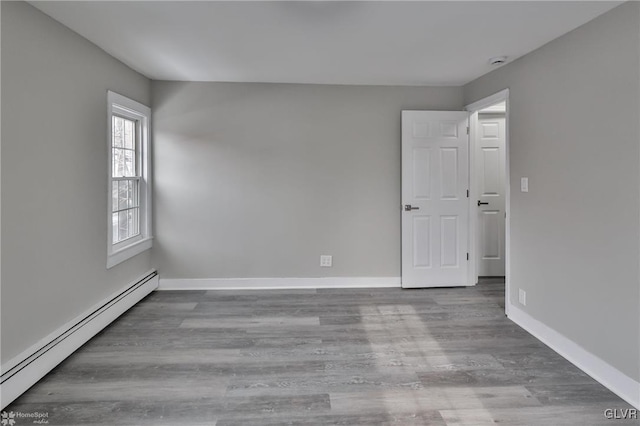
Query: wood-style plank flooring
(319, 357)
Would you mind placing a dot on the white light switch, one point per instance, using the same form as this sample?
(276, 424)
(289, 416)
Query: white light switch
(524, 184)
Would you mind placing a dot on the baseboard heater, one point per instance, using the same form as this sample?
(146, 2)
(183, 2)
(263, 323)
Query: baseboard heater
(26, 369)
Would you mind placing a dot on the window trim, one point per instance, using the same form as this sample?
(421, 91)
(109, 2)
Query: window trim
(127, 108)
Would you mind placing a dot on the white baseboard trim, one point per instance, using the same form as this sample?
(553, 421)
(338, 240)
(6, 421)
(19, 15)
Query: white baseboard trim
(25, 369)
(277, 283)
(612, 378)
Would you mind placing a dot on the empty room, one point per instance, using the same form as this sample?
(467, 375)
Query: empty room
(320, 213)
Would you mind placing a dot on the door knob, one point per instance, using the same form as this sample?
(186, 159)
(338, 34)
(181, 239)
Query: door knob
(408, 207)
(480, 203)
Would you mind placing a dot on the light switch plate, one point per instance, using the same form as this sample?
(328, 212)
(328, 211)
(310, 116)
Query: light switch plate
(524, 184)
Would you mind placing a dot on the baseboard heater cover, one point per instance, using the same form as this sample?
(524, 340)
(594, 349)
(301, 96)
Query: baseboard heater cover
(26, 369)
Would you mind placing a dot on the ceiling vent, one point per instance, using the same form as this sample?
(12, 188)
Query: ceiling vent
(498, 60)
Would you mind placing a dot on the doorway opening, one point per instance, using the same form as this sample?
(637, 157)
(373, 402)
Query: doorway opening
(489, 241)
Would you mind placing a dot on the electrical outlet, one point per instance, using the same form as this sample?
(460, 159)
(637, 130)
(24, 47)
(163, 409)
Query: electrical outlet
(524, 184)
(326, 260)
(522, 297)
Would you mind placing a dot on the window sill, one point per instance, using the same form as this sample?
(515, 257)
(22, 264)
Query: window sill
(128, 252)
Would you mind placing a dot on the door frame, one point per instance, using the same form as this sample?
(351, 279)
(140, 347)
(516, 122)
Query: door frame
(473, 109)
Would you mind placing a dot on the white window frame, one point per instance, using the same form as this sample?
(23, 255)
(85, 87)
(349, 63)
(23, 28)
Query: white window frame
(130, 109)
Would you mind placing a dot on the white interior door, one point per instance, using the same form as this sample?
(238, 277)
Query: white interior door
(490, 161)
(435, 216)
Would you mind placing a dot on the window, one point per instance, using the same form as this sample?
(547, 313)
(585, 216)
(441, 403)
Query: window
(129, 218)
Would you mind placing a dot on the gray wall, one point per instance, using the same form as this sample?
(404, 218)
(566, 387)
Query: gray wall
(575, 134)
(54, 175)
(258, 180)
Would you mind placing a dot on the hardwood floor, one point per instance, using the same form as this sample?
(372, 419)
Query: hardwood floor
(319, 357)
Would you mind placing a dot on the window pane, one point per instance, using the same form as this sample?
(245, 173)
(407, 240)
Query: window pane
(123, 194)
(124, 162)
(114, 227)
(114, 195)
(126, 224)
(129, 134)
(114, 167)
(118, 162)
(129, 163)
(134, 201)
(118, 131)
(133, 215)
(123, 225)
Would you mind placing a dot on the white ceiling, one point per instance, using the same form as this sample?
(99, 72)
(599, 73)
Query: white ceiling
(390, 43)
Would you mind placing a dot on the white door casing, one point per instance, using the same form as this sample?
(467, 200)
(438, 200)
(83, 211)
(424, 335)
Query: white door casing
(435, 182)
(489, 151)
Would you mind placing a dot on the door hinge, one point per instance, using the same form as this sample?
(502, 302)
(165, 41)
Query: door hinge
(467, 129)
(467, 256)
(467, 193)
